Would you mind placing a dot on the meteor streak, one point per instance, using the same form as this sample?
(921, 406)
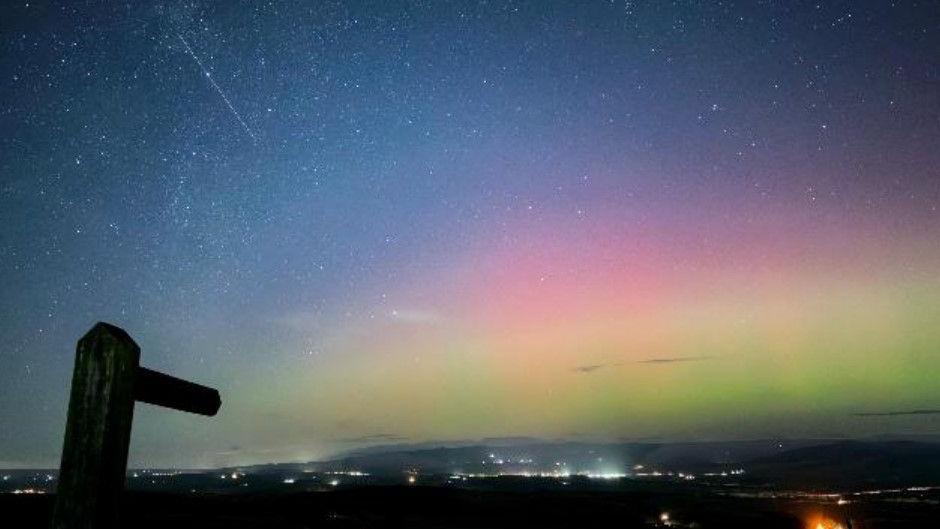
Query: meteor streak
(217, 87)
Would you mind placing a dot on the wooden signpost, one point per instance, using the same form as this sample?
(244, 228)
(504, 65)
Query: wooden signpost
(106, 382)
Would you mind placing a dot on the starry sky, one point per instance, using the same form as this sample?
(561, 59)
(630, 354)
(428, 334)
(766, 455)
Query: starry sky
(410, 221)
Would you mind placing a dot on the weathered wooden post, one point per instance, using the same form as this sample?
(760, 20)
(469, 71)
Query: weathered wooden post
(106, 381)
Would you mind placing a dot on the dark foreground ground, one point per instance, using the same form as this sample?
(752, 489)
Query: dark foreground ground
(432, 507)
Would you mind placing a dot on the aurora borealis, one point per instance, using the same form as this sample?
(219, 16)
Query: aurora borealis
(446, 221)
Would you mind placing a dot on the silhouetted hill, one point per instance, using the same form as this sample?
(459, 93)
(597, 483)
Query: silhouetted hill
(546, 456)
(852, 464)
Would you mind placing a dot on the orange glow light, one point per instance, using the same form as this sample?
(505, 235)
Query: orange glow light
(823, 522)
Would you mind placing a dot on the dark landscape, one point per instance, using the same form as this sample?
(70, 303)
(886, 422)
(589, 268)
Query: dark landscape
(856, 484)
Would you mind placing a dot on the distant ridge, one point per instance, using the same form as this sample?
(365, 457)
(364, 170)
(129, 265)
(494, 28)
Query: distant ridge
(853, 464)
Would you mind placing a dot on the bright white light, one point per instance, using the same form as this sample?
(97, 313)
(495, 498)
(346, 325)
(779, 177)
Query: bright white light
(347, 473)
(605, 475)
(411, 479)
(334, 482)
(290, 481)
(664, 517)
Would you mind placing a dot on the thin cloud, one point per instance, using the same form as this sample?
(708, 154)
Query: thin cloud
(590, 368)
(375, 437)
(900, 413)
(232, 450)
(675, 359)
(415, 316)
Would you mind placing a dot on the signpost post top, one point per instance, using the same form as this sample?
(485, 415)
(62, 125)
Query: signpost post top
(106, 381)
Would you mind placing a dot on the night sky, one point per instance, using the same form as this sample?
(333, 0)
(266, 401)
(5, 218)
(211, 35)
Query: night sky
(402, 222)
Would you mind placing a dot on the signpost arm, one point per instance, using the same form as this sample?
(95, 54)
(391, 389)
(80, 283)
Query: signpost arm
(160, 389)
